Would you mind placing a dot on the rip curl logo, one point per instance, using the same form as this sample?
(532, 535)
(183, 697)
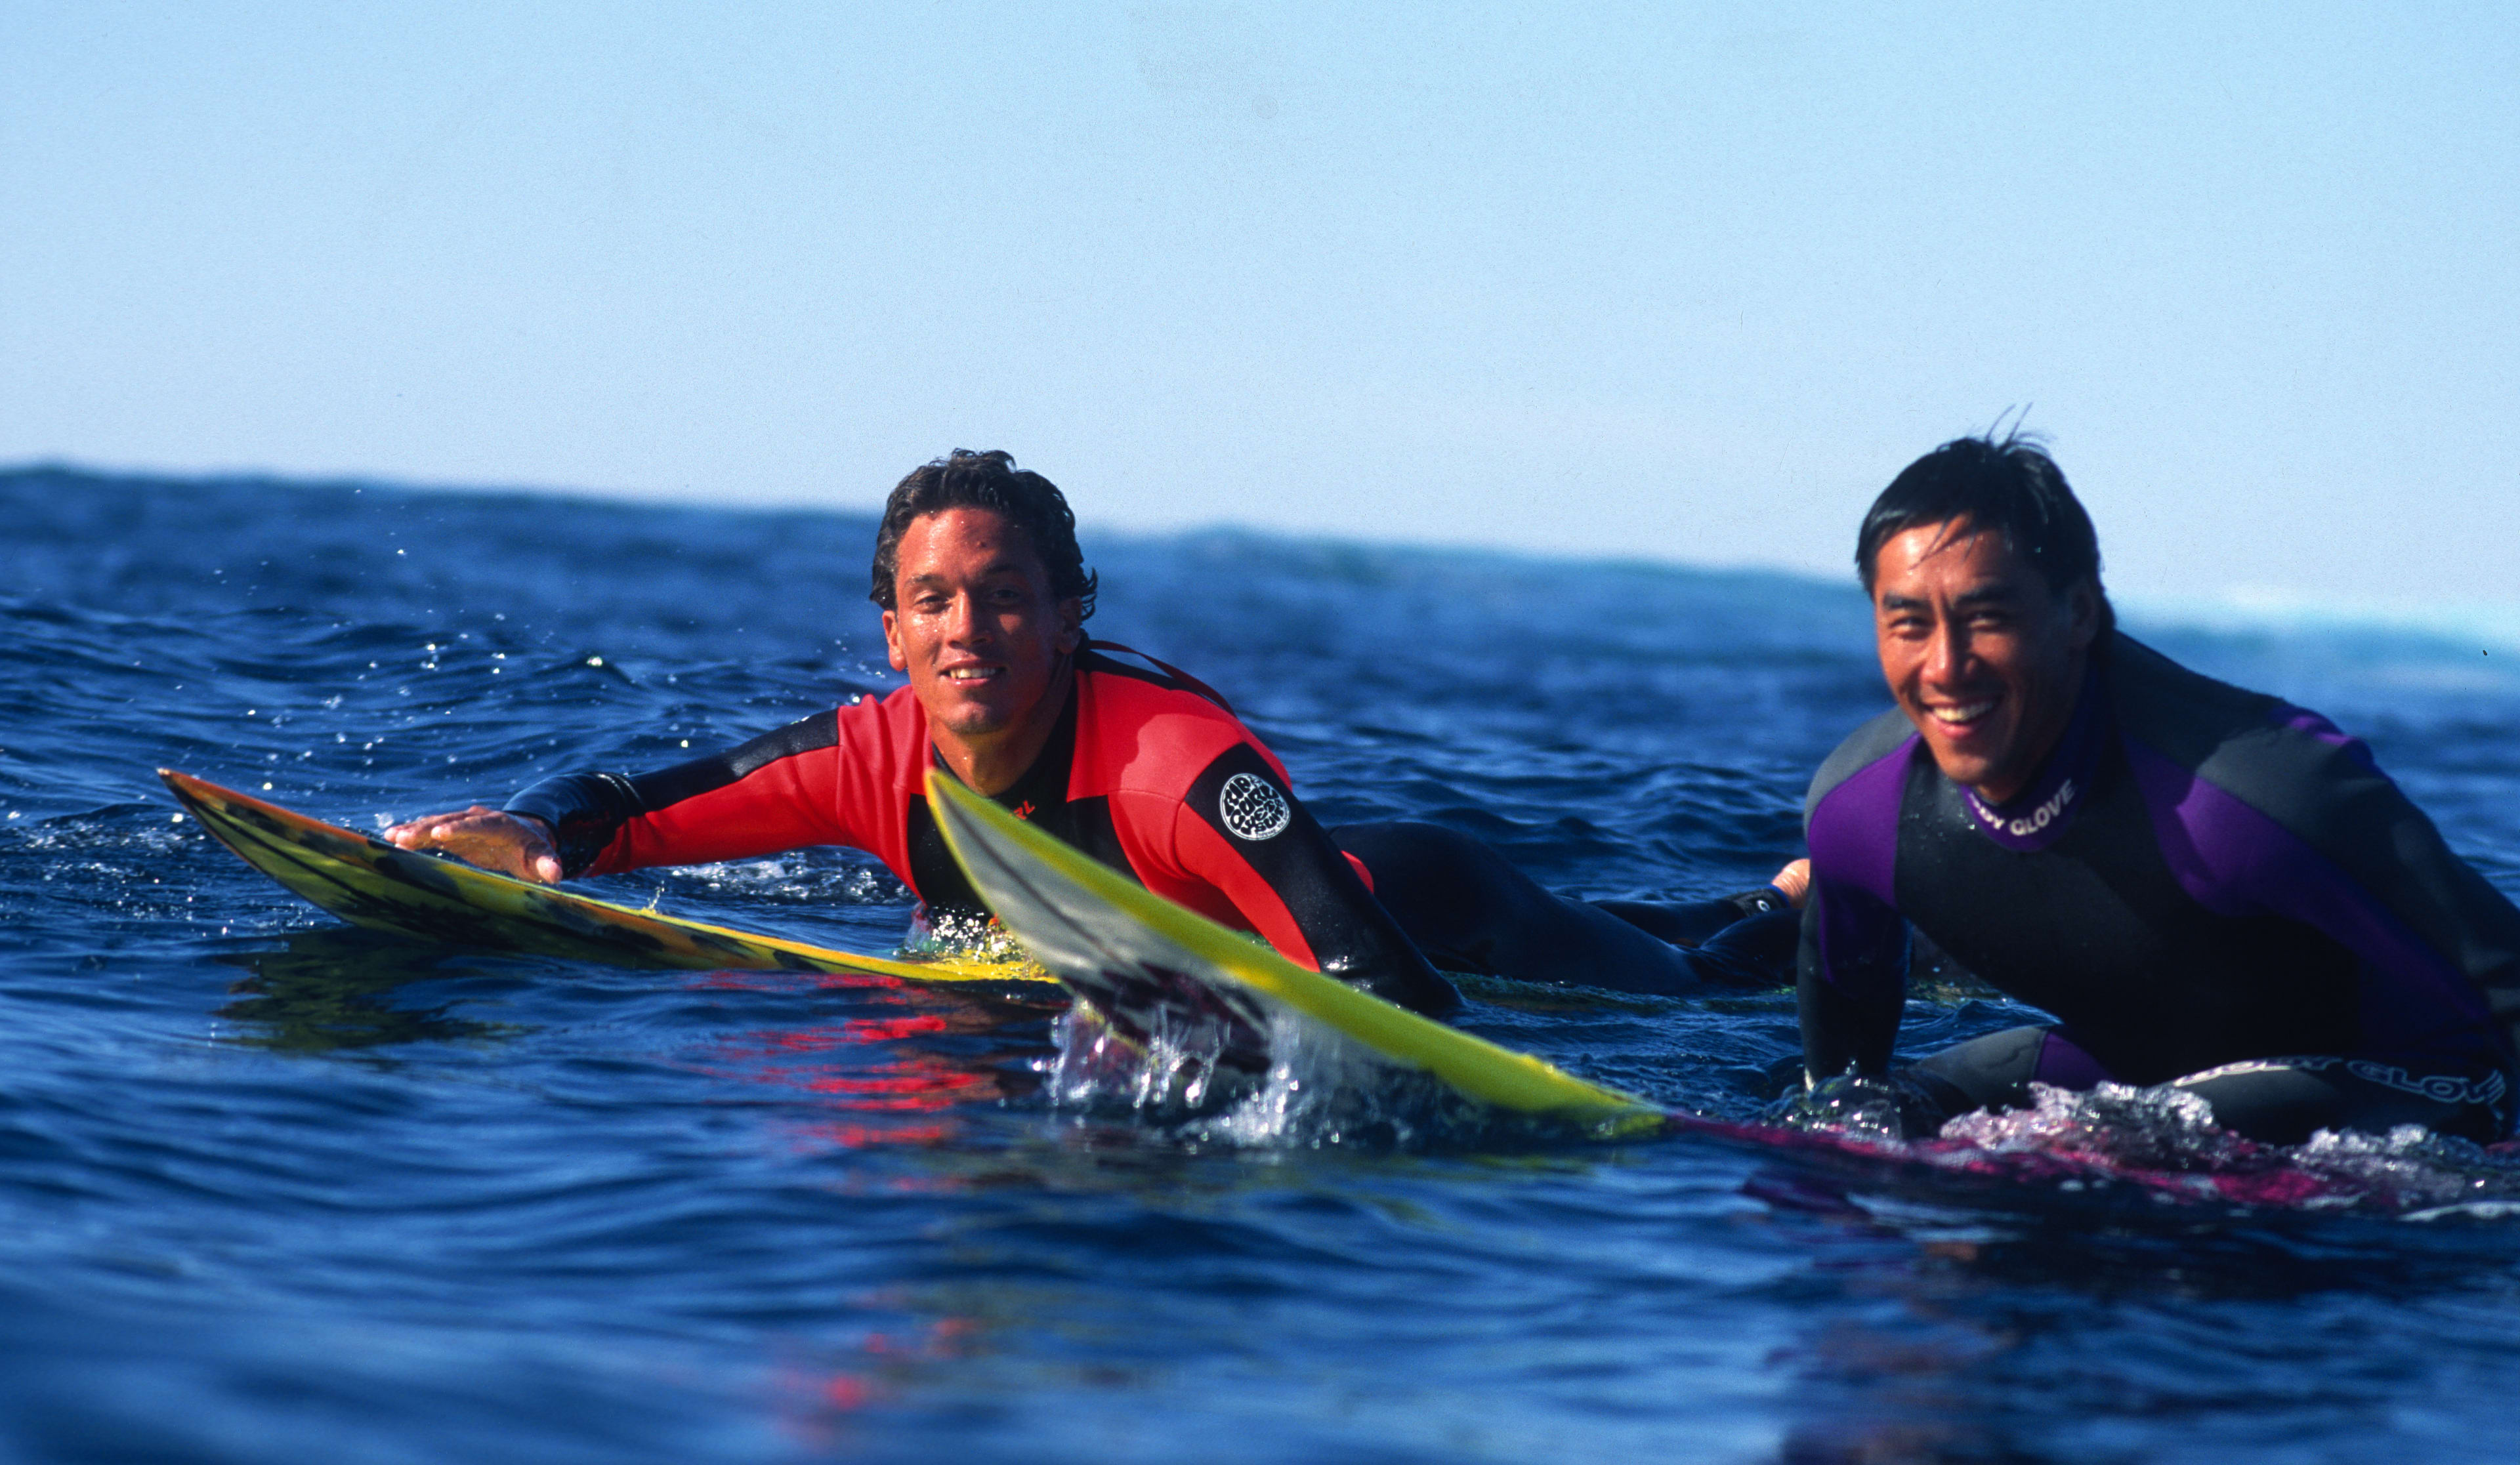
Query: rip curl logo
(2035, 821)
(1253, 809)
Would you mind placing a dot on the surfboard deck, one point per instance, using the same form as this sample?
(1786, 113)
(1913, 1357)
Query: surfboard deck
(370, 883)
(1145, 963)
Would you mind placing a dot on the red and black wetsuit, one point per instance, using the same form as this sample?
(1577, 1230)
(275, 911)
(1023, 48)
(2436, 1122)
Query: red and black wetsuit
(1142, 773)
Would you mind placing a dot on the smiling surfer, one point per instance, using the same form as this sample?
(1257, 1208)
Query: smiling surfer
(2208, 887)
(985, 595)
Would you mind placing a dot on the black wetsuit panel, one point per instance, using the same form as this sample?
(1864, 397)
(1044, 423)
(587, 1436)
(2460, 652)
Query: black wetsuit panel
(1471, 910)
(2136, 967)
(586, 811)
(1039, 798)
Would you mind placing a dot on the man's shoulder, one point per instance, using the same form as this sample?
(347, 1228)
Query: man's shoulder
(2177, 710)
(1851, 816)
(1882, 740)
(2290, 764)
(866, 711)
(1147, 728)
(1132, 687)
(890, 726)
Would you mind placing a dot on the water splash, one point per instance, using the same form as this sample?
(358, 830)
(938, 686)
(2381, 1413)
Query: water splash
(2113, 1125)
(1319, 1089)
(1178, 1070)
(971, 938)
(808, 879)
(2165, 1140)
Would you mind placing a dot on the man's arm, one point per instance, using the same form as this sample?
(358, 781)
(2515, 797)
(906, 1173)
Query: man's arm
(1851, 981)
(776, 792)
(2299, 822)
(1240, 830)
(580, 814)
(1851, 973)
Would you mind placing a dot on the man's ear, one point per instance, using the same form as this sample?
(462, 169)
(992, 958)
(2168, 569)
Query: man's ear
(1071, 624)
(892, 644)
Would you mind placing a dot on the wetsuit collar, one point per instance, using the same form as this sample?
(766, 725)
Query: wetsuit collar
(1043, 785)
(2035, 817)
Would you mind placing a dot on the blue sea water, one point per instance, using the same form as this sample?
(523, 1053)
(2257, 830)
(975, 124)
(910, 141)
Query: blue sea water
(275, 1189)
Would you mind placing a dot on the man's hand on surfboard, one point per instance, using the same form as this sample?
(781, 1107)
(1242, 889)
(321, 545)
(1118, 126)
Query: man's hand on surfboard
(493, 839)
(1795, 881)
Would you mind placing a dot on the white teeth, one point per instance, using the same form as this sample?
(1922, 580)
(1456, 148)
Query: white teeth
(1967, 713)
(971, 674)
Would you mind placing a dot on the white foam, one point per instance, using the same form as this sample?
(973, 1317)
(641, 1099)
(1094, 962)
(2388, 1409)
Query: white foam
(1319, 1090)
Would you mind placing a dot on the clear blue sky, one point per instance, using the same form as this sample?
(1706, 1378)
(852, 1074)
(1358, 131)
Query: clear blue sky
(1688, 283)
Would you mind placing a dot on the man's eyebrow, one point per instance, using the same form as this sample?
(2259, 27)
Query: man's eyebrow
(1992, 593)
(1007, 566)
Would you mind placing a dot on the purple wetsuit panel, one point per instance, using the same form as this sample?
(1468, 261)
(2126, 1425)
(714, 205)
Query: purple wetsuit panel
(2064, 1064)
(2235, 861)
(1853, 850)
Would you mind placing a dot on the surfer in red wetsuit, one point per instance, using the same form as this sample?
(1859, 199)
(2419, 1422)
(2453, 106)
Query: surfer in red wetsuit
(985, 595)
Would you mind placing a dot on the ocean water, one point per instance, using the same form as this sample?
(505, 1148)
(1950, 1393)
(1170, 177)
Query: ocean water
(275, 1189)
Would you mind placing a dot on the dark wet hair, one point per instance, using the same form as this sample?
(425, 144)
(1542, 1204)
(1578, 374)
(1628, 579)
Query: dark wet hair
(992, 481)
(2009, 485)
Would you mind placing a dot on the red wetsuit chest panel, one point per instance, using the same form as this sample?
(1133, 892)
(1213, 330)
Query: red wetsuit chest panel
(1160, 782)
(1128, 753)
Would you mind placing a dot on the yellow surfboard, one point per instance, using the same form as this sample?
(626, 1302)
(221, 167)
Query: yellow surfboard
(1121, 946)
(372, 883)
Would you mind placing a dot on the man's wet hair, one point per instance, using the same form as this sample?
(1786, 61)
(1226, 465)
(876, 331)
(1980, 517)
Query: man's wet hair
(2009, 485)
(985, 480)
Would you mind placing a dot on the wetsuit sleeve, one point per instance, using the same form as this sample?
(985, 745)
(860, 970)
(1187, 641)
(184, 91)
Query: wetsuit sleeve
(1851, 973)
(1240, 830)
(1850, 980)
(1755, 950)
(2299, 822)
(776, 792)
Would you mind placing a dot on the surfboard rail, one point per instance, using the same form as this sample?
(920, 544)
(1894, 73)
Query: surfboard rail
(370, 883)
(1105, 936)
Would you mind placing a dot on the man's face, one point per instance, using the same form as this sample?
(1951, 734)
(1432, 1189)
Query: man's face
(975, 622)
(1982, 655)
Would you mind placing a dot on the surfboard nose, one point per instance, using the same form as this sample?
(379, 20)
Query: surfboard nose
(195, 793)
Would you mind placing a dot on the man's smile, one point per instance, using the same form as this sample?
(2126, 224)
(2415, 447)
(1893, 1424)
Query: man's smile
(1960, 714)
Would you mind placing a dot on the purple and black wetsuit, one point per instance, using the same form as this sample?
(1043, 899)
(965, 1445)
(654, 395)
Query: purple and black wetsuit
(2205, 885)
